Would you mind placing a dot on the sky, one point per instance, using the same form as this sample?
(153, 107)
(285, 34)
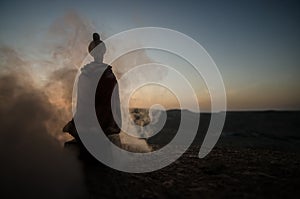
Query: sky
(255, 44)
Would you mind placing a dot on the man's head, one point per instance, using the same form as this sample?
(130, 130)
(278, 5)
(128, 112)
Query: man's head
(97, 48)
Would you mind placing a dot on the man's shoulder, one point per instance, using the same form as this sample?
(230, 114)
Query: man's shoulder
(108, 71)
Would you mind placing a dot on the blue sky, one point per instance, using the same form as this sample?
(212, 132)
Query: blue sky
(254, 43)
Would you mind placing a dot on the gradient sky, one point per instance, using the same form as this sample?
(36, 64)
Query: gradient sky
(255, 43)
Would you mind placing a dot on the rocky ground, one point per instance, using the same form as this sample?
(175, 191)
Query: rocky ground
(224, 173)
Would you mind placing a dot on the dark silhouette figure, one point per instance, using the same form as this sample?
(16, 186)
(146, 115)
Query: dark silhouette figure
(103, 102)
(104, 91)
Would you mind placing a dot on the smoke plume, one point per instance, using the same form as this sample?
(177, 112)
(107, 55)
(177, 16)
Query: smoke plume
(34, 105)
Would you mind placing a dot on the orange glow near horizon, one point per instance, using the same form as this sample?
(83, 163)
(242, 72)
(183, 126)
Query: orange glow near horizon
(149, 95)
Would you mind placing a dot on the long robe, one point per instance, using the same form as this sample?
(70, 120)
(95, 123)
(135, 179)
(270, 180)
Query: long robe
(107, 102)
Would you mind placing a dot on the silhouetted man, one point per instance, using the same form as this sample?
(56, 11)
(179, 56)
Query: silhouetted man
(103, 96)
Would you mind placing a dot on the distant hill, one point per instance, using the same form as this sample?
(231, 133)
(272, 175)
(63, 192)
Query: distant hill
(263, 129)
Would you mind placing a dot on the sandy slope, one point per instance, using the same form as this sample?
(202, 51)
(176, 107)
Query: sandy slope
(224, 173)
